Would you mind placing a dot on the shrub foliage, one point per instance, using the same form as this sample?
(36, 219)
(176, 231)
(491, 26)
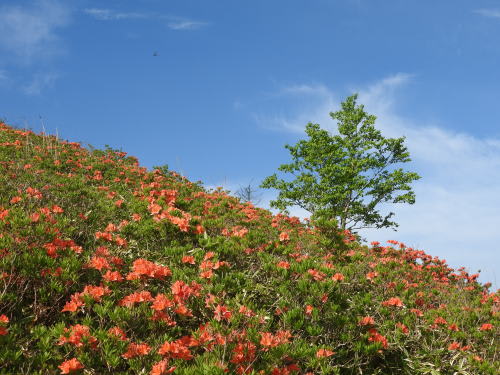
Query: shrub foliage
(108, 268)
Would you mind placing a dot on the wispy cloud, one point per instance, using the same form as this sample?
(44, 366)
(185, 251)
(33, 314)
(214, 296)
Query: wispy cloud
(40, 82)
(29, 33)
(455, 215)
(173, 22)
(186, 25)
(492, 13)
(109, 15)
(312, 103)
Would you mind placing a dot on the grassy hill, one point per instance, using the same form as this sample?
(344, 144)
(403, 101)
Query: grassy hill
(108, 268)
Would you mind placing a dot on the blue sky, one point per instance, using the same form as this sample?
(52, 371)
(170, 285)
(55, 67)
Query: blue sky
(233, 81)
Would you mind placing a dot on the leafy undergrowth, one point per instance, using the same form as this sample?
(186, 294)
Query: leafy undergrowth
(108, 268)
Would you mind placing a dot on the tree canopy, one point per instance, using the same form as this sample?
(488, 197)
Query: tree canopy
(346, 176)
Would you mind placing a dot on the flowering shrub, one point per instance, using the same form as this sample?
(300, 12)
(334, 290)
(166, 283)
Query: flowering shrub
(106, 267)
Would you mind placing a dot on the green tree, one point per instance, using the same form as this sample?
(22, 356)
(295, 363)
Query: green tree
(344, 177)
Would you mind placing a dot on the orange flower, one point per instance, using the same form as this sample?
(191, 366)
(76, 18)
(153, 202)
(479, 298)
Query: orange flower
(209, 255)
(142, 267)
(182, 223)
(118, 332)
(111, 228)
(316, 275)
(112, 276)
(454, 346)
(284, 236)
(239, 232)
(77, 333)
(221, 312)
(136, 350)
(440, 320)
(188, 259)
(131, 299)
(120, 241)
(75, 302)
(377, 337)
(394, 301)
(486, 327)
(206, 274)
(96, 292)
(104, 235)
(403, 328)
(3, 213)
(57, 210)
(15, 200)
(71, 365)
(371, 275)
(161, 316)
(3, 320)
(309, 309)
(161, 302)
(246, 311)
(266, 339)
(417, 312)
(176, 349)
(161, 368)
(182, 291)
(338, 277)
(367, 321)
(322, 353)
(154, 208)
(243, 352)
(183, 310)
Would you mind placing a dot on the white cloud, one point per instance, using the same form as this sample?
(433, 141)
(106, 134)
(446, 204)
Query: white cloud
(492, 13)
(174, 23)
(315, 102)
(186, 25)
(29, 32)
(456, 214)
(40, 82)
(108, 14)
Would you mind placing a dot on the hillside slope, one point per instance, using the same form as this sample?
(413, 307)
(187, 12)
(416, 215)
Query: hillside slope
(108, 268)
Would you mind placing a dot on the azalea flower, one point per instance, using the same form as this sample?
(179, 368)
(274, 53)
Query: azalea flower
(283, 264)
(136, 350)
(454, 346)
(486, 327)
(118, 332)
(309, 309)
(367, 321)
(338, 277)
(112, 276)
(323, 353)
(161, 368)
(221, 312)
(284, 236)
(394, 301)
(71, 365)
(176, 349)
(188, 259)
